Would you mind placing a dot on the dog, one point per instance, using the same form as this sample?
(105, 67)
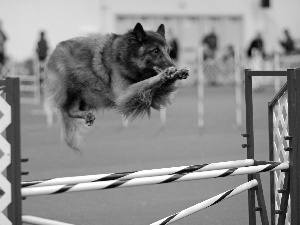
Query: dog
(130, 73)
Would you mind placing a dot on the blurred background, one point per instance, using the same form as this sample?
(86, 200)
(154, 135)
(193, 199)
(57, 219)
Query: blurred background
(215, 39)
(256, 29)
(235, 22)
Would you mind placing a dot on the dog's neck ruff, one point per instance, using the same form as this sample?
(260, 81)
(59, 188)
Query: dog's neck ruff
(100, 43)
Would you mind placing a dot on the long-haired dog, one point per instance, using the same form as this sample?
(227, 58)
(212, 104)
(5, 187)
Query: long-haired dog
(130, 73)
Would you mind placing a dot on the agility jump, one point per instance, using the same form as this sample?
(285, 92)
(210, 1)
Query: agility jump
(163, 179)
(284, 181)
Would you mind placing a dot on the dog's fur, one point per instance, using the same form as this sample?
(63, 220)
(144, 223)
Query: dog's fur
(129, 73)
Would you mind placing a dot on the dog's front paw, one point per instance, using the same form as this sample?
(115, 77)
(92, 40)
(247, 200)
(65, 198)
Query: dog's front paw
(182, 74)
(169, 73)
(89, 118)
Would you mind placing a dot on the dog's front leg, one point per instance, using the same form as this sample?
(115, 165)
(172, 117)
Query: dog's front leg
(137, 98)
(136, 88)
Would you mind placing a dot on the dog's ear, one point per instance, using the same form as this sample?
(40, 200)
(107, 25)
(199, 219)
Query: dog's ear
(161, 30)
(139, 32)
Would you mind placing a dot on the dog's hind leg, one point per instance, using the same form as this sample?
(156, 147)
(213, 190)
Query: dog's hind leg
(80, 110)
(72, 126)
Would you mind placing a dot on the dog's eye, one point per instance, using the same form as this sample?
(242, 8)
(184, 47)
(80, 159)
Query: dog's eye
(156, 50)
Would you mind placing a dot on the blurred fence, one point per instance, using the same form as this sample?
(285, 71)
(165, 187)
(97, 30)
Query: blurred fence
(230, 71)
(29, 75)
(221, 71)
(284, 62)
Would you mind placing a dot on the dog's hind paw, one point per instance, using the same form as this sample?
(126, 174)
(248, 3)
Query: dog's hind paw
(89, 118)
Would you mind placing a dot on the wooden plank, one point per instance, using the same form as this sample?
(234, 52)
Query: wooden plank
(267, 73)
(13, 136)
(250, 143)
(271, 158)
(284, 200)
(294, 118)
(261, 201)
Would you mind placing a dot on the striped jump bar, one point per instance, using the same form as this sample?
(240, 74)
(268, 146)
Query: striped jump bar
(41, 221)
(207, 203)
(170, 219)
(57, 189)
(143, 173)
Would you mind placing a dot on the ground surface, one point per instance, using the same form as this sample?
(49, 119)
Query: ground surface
(144, 145)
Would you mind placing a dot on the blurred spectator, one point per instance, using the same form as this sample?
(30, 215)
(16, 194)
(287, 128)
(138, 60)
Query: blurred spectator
(3, 38)
(173, 42)
(288, 43)
(229, 54)
(42, 50)
(257, 45)
(210, 44)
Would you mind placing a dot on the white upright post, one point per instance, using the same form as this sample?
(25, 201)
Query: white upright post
(125, 121)
(163, 116)
(238, 87)
(276, 67)
(200, 87)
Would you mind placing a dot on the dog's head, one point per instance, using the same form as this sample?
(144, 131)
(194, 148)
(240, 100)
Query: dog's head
(147, 52)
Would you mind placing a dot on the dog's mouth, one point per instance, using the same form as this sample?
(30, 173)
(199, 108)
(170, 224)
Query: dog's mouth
(157, 69)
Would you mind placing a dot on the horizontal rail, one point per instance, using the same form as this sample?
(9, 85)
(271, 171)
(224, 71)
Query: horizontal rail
(139, 174)
(207, 203)
(267, 73)
(29, 78)
(41, 221)
(28, 88)
(58, 189)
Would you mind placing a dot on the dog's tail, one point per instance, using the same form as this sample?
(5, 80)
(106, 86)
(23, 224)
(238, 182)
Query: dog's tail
(71, 128)
(71, 131)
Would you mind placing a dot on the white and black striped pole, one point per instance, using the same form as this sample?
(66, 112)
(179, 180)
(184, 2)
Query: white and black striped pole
(207, 203)
(41, 221)
(58, 189)
(142, 173)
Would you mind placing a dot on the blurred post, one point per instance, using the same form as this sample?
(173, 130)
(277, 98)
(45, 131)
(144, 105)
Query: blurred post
(238, 87)
(37, 98)
(200, 87)
(163, 116)
(125, 121)
(49, 113)
(276, 67)
(12, 69)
